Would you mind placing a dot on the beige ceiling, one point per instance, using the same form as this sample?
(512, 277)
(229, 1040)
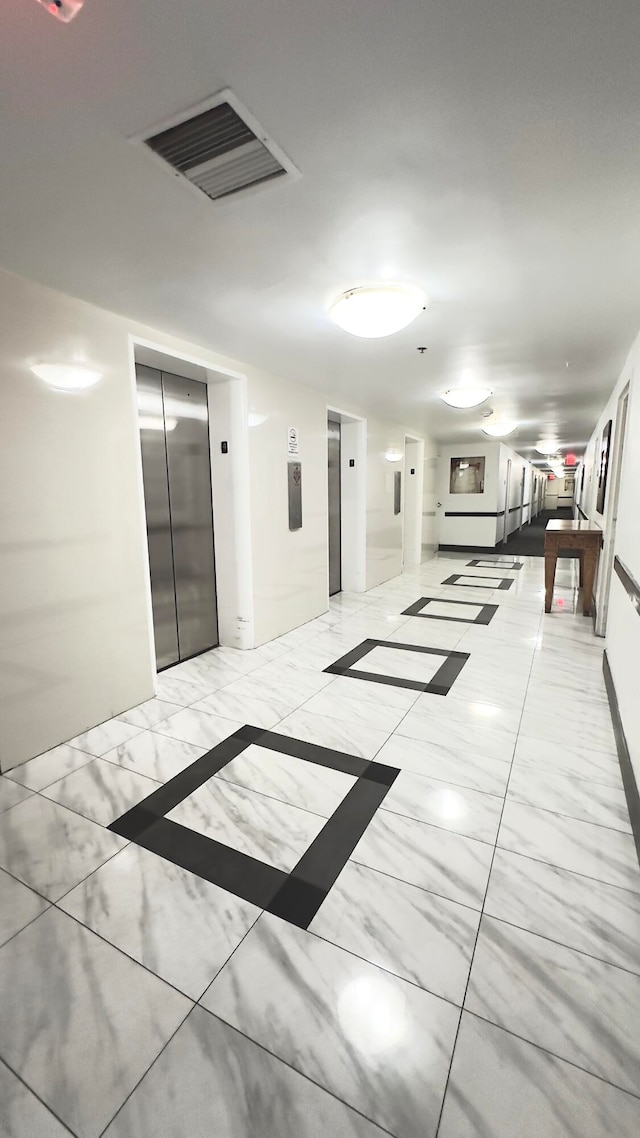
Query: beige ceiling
(487, 150)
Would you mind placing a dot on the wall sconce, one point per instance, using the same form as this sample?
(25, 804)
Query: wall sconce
(67, 377)
(393, 455)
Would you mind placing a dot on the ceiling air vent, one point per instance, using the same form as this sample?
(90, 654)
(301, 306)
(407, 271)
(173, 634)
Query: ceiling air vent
(220, 149)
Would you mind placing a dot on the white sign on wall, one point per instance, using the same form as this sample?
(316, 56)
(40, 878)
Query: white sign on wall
(292, 441)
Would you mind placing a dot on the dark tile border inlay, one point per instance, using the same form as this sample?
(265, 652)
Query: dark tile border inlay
(500, 563)
(439, 684)
(485, 616)
(624, 758)
(294, 896)
(454, 579)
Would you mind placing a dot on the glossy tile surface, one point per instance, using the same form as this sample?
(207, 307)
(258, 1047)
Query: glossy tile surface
(380, 1044)
(81, 1022)
(330, 924)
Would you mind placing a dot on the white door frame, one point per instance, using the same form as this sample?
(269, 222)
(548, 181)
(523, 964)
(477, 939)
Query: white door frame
(353, 501)
(412, 497)
(507, 487)
(603, 585)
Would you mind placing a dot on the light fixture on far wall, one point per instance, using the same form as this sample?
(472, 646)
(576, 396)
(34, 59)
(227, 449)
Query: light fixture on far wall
(499, 430)
(463, 397)
(67, 377)
(373, 311)
(392, 455)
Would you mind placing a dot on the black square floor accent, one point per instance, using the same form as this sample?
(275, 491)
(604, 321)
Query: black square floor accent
(454, 579)
(485, 616)
(439, 684)
(485, 563)
(294, 896)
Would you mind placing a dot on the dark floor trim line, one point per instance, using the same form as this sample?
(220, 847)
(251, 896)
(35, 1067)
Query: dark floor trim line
(439, 684)
(624, 758)
(454, 579)
(471, 548)
(485, 616)
(294, 896)
(501, 563)
(631, 586)
(473, 514)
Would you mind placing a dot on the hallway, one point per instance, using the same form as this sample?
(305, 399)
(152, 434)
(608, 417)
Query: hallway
(405, 900)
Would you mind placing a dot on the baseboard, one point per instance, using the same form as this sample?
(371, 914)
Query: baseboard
(469, 548)
(624, 758)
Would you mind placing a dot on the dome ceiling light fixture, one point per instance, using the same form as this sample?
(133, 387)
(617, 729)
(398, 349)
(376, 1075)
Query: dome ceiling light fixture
(463, 397)
(67, 377)
(499, 430)
(376, 310)
(546, 446)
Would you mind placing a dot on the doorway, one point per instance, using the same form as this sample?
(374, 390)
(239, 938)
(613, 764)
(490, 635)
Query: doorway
(523, 487)
(507, 489)
(608, 552)
(335, 505)
(173, 419)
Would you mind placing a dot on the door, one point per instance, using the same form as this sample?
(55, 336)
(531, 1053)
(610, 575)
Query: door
(335, 510)
(523, 486)
(176, 468)
(507, 489)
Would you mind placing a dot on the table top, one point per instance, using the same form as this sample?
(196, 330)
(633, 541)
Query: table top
(573, 527)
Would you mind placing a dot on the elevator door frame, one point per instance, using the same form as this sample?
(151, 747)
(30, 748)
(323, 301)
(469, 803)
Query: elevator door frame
(334, 534)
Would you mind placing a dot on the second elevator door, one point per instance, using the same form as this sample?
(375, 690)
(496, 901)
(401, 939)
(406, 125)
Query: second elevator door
(335, 552)
(176, 467)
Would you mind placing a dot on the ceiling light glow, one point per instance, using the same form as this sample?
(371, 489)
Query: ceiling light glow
(546, 446)
(499, 430)
(373, 311)
(67, 377)
(393, 455)
(465, 396)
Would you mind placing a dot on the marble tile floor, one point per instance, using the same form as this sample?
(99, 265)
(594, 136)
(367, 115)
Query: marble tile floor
(474, 970)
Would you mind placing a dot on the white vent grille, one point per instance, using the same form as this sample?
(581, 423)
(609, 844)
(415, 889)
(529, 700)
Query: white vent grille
(220, 149)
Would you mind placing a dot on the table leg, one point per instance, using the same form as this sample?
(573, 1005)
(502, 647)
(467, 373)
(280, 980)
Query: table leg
(590, 558)
(549, 578)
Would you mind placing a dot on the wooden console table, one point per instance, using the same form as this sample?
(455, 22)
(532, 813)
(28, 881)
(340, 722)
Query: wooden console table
(571, 535)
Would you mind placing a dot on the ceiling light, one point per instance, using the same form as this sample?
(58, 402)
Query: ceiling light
(372, 311)
(67, 377)
(546, 446)
(393, 455)
(499, 430)
(465, 396)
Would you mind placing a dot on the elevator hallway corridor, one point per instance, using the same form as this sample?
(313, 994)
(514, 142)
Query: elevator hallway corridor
(397, 897)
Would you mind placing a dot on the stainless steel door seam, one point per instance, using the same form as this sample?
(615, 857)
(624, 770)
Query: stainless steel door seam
(335, 507)
(176, 466)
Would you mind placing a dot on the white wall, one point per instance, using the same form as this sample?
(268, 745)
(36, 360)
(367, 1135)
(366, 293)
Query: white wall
(75, 645)
(623, 622)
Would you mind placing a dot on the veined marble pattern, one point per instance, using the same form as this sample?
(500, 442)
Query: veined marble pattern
(589, 801)
(517, 978)
(261, 827)
(354, 710)
(158, 757)
(419, 723)
(449, 864)
(450, 608)
(289, 779)
(212, 1081)
(18, 906)
(442, 804)
(503, 1087)
(400, 699)
(336, 734)
(397, 662)
(101, 791)
(11, 793)
(50, 848)
(582, 847)
(379, 1043)
(491, 714)
(48, 768)
(591, 916)
(105, 737)
(568, 724)
(243, 708)
(404, 929)
(81, 1022)
(177, 925)
(149, 713)
(449, 765)
(23, 1115)
(197, 727)
(174, 689)
(574, 761)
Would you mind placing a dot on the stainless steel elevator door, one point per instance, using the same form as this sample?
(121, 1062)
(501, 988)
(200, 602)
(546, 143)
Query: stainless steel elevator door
(335, 552)
(176, 466)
